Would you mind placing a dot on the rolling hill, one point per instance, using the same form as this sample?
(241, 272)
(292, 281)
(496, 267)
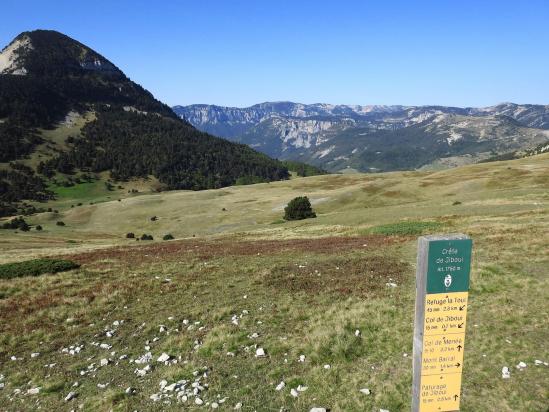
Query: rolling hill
(140, 324)
(69, 115)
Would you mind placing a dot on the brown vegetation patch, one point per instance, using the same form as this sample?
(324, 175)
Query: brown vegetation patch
(175, 250)
(343, 276)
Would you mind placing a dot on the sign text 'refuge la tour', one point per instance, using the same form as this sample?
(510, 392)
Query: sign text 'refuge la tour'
(442, 284)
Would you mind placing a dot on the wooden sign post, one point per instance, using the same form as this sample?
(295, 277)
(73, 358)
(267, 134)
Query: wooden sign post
(442, 285)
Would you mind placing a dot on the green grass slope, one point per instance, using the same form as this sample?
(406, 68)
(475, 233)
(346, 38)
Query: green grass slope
(298, 288)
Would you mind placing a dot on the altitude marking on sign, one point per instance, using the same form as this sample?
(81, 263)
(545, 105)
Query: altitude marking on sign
(442, 284)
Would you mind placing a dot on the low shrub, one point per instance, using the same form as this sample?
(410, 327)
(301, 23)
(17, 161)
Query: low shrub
(299, 208)
(130, 235)
(35, 267)
(168, 237)
(144, 236)
(38, 227)
(16, 223)
(60, 223)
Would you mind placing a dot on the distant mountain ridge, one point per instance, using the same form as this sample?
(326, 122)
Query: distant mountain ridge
(68, 114)
(373, 138)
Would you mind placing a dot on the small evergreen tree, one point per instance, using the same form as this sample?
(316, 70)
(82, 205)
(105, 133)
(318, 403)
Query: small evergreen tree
(38, 227)
(299, 208)
(168, 237)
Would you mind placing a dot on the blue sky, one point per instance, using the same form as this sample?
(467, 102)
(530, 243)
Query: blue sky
(237, 53)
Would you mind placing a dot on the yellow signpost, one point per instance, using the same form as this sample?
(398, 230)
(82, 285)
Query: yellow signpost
(442, 283)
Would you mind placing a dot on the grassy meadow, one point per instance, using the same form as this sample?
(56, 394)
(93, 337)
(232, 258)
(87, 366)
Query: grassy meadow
(238, 279)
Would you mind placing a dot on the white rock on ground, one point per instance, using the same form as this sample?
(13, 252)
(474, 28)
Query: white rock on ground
(521, 365)
(34, 391)
(146, 358)
(318, 410)
(327, 366)
(302, 358)
(163, 358)
(280, 386)
(104, 362)
(357, 333)
(143, 372)
(70, 396)
(302, 388)
(238, 406)
(505, 372)
(198, 401)
(365, 391)
(294, 393)
(260, 353)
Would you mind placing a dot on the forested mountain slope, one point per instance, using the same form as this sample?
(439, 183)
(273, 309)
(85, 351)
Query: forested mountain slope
(67, 114)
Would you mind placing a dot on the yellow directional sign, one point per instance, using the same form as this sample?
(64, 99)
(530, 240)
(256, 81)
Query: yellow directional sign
(442, 356)
(441, 316)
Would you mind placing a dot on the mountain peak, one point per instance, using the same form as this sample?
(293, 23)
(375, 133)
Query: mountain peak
(48, 52)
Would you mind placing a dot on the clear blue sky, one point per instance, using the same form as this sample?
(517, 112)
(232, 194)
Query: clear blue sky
(237, 53)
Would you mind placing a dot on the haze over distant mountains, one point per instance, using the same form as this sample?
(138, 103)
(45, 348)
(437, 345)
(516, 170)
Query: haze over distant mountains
(376, 138)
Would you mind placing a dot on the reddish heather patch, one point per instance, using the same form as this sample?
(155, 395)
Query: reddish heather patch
(175, 250)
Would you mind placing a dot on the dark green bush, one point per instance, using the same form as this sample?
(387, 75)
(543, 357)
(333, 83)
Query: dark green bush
(60, 223)
(38, 227)
(35, 267)
(299, 208)
(16, 223)
(130, 235)
(168, 237)
(144, 236)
